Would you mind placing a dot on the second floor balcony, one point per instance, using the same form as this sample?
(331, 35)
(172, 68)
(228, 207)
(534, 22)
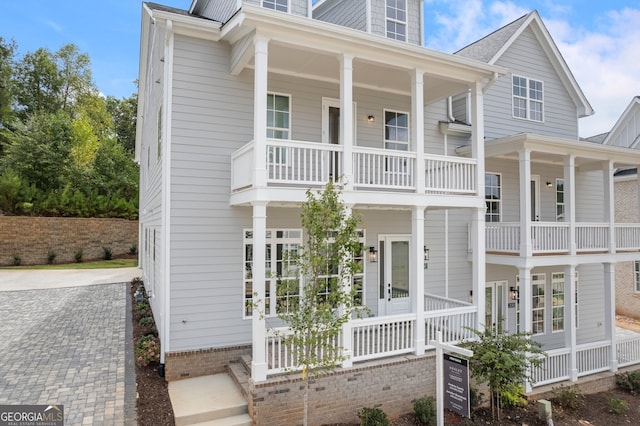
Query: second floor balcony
(298, 164)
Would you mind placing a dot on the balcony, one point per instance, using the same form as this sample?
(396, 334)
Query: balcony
(554, 237)
(304, 164)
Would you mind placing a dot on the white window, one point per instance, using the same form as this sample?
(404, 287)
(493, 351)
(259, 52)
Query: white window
(493, 196)
(278, 116)
(557, 301)
(560, 200)
(636, 275)
(396, 130)
(396, 19)
(331, 277)
(537, 308)
(282, 280)
(281, 5)
(527, 99)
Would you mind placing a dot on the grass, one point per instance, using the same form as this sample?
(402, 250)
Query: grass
(98, 264)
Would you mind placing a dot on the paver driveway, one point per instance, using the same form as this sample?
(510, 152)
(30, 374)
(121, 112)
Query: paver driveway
(69, 346)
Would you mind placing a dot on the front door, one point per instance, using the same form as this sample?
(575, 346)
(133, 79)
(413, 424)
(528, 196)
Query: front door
(535, 198)
(495, 305)
(331, 133)
(395, 289)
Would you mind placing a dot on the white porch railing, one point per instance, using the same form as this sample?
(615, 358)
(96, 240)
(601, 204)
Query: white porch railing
(628, 350)
(382, 336)
(592, 237)
(502, 237)
(628, 236)
(241, 162)
(593, 357)
(450, 174)
(280, 356)
(382, 168)
(549, 237)
(456, 324)
(296, 162)
(436, 303)
(554, 368)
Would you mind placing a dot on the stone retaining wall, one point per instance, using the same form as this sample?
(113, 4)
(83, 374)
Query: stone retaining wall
(31, 238)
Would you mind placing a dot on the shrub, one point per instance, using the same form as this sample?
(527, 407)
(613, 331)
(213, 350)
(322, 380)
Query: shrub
(17, 260)
(425, 410)
(147, 350)
(373, 417)
(107, 253)
(617, 405)
(513, 396)
(146, 321)
(78, 255)
(568, 397)
(51, 257)
(133, 249)
(629, 382)
(142, 306)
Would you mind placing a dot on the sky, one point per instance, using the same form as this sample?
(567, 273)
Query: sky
(600, 40)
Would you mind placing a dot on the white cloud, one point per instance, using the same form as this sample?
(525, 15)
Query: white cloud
(605, 64)
(52, 24)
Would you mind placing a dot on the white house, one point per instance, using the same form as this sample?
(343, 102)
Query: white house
(480, 204)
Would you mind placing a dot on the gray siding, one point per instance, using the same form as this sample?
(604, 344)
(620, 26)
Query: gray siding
(296, 7)
(526, 58)
(351, 13)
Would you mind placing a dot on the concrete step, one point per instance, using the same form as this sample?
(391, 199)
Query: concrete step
(239, 420)
(206, 398)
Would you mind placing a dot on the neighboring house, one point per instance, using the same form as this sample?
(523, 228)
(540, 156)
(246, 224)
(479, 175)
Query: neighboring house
(626, 134)
(244, 105)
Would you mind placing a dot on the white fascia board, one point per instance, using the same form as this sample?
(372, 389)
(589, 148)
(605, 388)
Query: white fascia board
(635, 103)
(189, 25)
(145, 22)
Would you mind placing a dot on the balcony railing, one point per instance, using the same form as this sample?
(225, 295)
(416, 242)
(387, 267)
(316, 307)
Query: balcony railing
(554, 237)
(298, 163)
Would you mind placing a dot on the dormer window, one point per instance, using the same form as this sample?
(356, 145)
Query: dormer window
(281, 5)
(528, 99)
(397, 19)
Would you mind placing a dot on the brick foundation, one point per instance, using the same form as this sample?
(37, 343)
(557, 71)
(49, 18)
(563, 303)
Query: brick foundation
(31, 238)
(182, 365)
(390, 385)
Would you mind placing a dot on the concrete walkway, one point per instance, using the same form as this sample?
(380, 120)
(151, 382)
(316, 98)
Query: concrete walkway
(65, 338)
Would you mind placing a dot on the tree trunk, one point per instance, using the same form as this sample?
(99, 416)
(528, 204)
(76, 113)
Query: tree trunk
(305, 415)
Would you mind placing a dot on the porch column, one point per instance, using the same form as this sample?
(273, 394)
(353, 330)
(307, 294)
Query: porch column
(525, 306)
(346, 121)
(610, 312)
(570, 318)
(347, 335)
(525, 203)
(570, 199)
(258, 324)
(261, 55)
(416, 277)
(609, 204)
(417, 127)
(477, 139)
(478, 274)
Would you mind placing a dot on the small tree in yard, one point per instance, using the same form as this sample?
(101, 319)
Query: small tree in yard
(326, 300)
(502, 360)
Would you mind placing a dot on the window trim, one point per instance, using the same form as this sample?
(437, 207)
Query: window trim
(290, 112)
(539, 280)
(388, 19)
(562, 217)
(499, 200)
(384, 131)
(528, 100)
(557, 279)
(636, 275)
(275, 5)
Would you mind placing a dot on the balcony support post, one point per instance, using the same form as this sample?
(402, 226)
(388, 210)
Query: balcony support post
(417, 128)
(526, 248)
(478, 273)
(261, 58)
(416, 276)
(570, 318)
(610, 312)
(258, 325)
(525, 306)
(609, 204)
(570, 199)
(346, 119)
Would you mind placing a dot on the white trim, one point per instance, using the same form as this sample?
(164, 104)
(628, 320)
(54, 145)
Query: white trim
(527, 99)
(275, 5)
(499, 200)
(384, 129)
(559, 280)
(397, 21)
(563, 204)
(289, 130)
(536, 197)
(335, 103)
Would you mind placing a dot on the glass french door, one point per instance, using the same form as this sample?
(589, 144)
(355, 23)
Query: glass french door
(395, 289)
(495, 305)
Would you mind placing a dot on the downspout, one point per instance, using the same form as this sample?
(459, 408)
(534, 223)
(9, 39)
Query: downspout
(166, 192)
(450, 111)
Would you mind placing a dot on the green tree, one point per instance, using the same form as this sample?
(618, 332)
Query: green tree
(37, 84)
(7, 58)
(503, 361)
(327, 300)
(74, 75)
(124, 113)
(39, 152)
(114, 171)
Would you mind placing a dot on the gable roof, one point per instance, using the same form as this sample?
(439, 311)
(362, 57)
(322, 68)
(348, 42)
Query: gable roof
(626, 131)
(490, 49)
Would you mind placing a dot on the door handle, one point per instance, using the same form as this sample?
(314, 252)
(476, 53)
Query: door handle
(389, 292)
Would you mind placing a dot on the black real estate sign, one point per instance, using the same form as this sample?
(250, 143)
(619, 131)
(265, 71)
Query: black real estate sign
(456, 385)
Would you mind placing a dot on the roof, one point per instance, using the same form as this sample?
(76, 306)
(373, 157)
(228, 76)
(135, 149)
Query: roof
(490, 49)
(626, 126)
(156, 6)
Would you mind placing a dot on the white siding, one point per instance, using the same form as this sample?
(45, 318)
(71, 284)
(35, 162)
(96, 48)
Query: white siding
(526, 58)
